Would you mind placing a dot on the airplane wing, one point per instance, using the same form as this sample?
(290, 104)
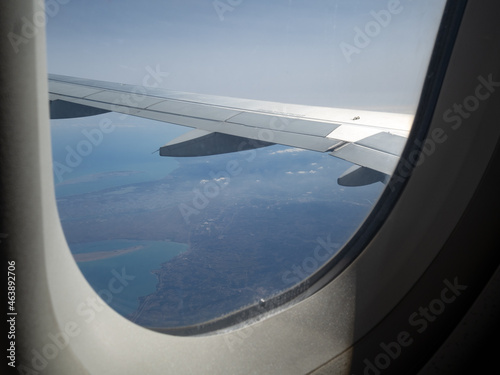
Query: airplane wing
(371, 140)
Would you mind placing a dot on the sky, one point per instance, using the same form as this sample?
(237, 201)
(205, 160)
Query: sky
(285, 50)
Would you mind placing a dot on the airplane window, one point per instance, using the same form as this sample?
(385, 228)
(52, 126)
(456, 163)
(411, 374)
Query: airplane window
(283, 123)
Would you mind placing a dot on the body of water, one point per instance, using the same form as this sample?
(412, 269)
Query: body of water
(135, 280)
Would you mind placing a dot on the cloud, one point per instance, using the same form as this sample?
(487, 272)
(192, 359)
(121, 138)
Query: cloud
(287, 151)
(307, 172)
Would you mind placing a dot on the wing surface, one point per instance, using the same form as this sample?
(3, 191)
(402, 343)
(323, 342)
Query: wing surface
(370, 139)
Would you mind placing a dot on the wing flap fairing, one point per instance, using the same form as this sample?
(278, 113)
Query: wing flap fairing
(360, 176)
(60, 109)
(202, 143)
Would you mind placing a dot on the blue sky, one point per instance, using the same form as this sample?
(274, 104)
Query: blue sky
(287, 51)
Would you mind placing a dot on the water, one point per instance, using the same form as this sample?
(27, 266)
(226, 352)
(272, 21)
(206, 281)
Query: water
(135, 280)
(124, 155)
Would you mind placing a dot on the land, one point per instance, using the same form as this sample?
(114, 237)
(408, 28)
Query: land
(98, 255)
(242, 237)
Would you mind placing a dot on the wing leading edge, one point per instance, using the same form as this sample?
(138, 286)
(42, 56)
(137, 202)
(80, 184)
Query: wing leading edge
(372, 140)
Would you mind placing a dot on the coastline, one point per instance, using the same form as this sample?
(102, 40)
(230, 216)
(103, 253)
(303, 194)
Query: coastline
(98, 255)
